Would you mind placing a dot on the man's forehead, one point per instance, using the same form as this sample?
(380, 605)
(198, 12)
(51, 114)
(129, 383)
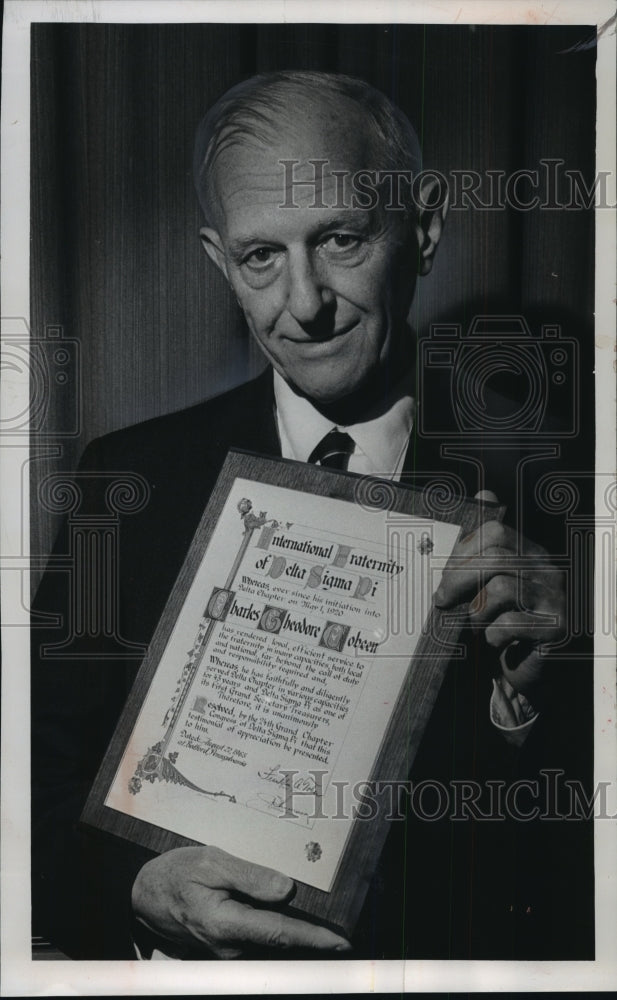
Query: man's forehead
(309, 169)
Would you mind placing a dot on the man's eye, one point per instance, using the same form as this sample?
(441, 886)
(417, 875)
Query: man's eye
(342, 241)
(260, 258)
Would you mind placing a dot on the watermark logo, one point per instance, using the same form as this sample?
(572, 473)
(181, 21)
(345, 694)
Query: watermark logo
(549, 186)
(548, 796)
(37, 370)
(543, 370)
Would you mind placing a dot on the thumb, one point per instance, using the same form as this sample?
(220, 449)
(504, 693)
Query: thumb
(486, 496)
(220, 870)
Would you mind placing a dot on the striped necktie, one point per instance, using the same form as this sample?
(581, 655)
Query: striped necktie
(334, 450)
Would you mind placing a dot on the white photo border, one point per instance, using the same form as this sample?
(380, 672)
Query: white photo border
(20, 975)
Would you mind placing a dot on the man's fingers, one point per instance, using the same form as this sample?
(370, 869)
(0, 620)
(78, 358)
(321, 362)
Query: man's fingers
(494, 534)
(186, 896)
(219, 870)
(465, 576)
(520, 625)
(523, 667)
(239, 922)
(486, 496)
(492, 549)
(501, 592)
(460, 575)
(487, 535)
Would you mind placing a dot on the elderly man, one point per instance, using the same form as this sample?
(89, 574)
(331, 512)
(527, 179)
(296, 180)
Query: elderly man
(295, 176)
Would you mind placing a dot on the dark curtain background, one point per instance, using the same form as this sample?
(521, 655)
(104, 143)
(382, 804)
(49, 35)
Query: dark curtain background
(116, 262)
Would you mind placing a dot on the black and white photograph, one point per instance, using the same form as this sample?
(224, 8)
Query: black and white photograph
(310, 511)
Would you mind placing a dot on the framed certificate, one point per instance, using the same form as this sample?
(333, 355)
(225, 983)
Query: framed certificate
(290, 678)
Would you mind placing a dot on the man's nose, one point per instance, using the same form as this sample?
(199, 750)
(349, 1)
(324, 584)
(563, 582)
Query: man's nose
(309, 293)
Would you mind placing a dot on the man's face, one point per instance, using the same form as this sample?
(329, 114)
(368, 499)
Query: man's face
(325, 291)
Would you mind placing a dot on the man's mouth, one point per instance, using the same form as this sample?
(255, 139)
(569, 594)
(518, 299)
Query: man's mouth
(324, 336)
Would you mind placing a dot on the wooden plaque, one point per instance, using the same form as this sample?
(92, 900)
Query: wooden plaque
(298, 659)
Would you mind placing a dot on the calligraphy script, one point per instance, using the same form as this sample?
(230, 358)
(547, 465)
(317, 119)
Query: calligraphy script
(284, 664)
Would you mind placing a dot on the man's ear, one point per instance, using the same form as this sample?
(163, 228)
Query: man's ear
(431, 211)
(213, 245)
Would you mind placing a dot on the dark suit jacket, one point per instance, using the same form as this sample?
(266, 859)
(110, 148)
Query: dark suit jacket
(444, 889)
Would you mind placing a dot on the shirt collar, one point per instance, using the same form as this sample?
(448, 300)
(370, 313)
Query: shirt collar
(380, 438)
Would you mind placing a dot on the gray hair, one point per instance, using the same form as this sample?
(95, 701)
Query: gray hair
(252, 108)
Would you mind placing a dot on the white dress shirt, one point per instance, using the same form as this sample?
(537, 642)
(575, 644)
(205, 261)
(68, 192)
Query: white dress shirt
(380, 439)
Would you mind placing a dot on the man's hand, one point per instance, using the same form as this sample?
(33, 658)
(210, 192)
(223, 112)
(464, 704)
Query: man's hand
(197, 897)
(517, 596)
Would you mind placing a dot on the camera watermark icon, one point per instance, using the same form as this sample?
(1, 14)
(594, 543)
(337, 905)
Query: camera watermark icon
(465, 371)
(36, 371)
